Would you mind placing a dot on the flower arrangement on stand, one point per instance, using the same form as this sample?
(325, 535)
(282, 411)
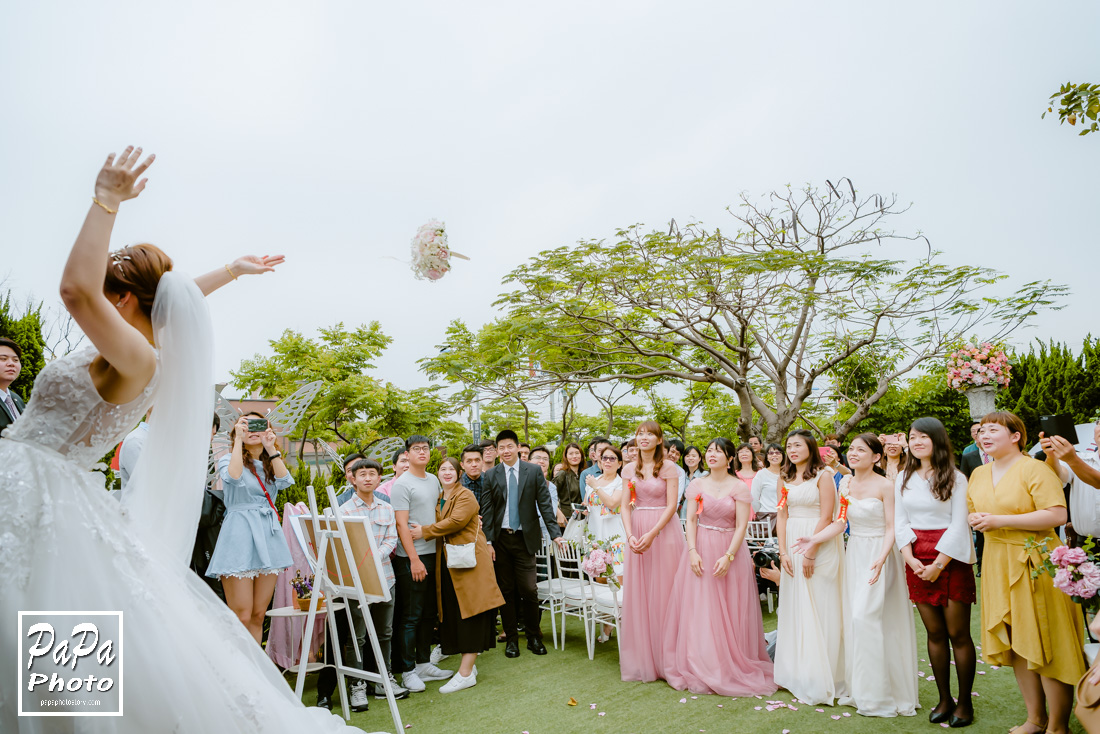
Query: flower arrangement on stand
(979, 371)
(303, 590)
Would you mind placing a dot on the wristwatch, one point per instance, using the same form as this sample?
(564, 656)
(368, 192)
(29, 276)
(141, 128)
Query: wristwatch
(277, 455)
(938, 565)
(729, 557)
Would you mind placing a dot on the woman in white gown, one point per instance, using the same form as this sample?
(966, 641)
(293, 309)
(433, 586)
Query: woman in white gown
(880, 640)
(189, 664)
(809, 654)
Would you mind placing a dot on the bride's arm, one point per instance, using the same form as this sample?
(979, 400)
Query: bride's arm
(244, 265)
(121, 345)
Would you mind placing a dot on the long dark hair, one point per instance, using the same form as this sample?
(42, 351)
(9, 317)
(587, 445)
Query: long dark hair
(658, 451)
(727, 448)
(876, 447)
(816, 463)
(942, 459)
(565, 458)
(269, 469)
(755, 463)
(688, 450)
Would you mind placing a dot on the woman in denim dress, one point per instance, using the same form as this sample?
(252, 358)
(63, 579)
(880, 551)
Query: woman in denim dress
(251, 548)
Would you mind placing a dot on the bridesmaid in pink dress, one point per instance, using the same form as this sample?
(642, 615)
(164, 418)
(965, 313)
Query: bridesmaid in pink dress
(715, 642)
(651, 488)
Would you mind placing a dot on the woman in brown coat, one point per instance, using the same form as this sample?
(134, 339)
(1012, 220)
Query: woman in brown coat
(468, 597)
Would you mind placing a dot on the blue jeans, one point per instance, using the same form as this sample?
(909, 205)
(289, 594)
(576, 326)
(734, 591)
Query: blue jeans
(419, 610)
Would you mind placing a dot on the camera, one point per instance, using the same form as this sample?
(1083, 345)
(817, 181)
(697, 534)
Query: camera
(257, 425)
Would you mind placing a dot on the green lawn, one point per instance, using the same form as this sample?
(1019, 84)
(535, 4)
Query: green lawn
(531, 694)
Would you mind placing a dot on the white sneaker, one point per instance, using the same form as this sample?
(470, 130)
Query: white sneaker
(359, 701)
(437, 655)
(399, 692)
(412, 681)
(427, 671)
(459, 682)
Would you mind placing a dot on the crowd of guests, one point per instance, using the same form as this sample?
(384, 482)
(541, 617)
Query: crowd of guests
(859, 533)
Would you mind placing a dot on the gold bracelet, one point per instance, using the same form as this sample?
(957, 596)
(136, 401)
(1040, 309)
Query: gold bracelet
(230, 271)
(103, 206)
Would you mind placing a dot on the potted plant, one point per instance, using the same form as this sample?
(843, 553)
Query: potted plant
(303, 591)
(979, 371)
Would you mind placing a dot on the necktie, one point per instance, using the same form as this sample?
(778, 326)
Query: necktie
(513, 499)
(985, 458)
(11, 406)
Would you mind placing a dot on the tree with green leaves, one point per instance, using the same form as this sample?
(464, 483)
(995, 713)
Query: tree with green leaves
(804, 284)
(496, 360)
(24, 327)
(1051, 380)
(1077, 102)
(352, 406)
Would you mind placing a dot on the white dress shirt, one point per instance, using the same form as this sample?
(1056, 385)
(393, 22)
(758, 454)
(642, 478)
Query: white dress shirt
(918, 509)
(765, 491)
(1084, 499)
(513, 468)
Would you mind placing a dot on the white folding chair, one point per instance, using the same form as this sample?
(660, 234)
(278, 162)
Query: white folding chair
(576, 595)
(549, 591)
(606, 609)
(758, 534)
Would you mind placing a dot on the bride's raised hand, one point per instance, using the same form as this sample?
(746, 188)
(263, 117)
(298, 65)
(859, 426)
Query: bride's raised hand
(119, 179)
(255, 264)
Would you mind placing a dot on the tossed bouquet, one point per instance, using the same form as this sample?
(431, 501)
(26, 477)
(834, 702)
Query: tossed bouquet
(599, 561)
(431, 254)
(975, 366)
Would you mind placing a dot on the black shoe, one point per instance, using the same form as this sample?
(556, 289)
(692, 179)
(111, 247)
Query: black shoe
(511, 649)
(536, 646)
(957, 723)
(324, 702)
(938, 717)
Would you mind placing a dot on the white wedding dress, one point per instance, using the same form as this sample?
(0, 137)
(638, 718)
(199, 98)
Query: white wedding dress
(189, 664)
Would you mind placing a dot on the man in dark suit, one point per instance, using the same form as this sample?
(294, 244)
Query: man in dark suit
(972, 456)
(517, 495)
(11, 405)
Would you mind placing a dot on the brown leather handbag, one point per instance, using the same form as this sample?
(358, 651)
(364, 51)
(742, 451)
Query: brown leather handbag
(1088, 703)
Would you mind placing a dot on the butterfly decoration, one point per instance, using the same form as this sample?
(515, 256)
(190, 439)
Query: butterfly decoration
(380, 450)
(284, 418)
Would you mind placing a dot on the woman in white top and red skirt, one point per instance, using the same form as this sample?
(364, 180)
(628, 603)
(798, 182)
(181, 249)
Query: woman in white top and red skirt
(930, 525)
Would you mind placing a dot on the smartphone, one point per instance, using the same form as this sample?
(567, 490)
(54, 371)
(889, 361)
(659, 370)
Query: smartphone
(1059, 425)
(256, 425)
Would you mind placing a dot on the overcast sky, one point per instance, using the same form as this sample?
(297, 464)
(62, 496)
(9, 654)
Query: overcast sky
(329, 131)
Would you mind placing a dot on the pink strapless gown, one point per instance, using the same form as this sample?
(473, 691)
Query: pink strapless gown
(715, 638)
(648, 578)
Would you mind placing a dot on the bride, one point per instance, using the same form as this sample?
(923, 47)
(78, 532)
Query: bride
(190, 665)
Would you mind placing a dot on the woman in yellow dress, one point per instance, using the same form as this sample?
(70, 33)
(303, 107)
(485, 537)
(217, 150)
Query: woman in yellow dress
(1026, 622)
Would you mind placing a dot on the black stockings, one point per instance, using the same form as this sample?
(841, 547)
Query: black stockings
(949, 631)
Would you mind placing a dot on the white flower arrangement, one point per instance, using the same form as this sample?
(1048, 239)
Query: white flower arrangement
(431, 254)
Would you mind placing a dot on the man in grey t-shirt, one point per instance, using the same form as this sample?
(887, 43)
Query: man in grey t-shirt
(414, 496)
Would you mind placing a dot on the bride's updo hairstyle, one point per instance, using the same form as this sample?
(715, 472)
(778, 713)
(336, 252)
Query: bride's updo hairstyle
(137, 269)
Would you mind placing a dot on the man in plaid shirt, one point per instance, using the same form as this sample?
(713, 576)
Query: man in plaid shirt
(365, 476)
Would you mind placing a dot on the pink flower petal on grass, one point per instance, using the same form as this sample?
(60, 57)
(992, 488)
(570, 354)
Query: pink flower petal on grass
(974, 694)
(945, 725)
(820, 711)
(793, 708)
(682, 700)
(592, 706)
(603, 713)
(719, 705)
(981, 672)
(758, 708)
(786, 731)
(694, 697)
(835, 717)
(846, 714)
(931, 677)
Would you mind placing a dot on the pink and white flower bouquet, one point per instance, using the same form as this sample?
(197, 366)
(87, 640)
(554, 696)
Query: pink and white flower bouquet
(978, 365)
(1076, 571)
(431, 254)
(599, 561)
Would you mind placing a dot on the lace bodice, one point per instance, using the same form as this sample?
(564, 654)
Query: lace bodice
(67, 415)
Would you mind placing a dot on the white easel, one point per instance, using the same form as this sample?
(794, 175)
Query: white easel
(337, 540)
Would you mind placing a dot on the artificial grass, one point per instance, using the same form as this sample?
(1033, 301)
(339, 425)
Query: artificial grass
(530, 695)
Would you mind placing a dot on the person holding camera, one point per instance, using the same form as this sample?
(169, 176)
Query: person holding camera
(251, 548)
